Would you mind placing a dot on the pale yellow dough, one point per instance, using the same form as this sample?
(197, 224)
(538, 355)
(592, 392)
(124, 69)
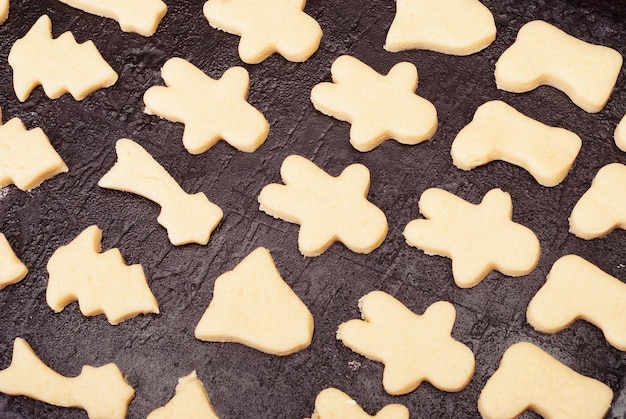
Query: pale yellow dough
(27, 158)
(332, 403)
(100, 282)
(529, 378)
(210, 109)
(4, 10)
(457, 27)
(577, 289)
(187, 218)
(500, 132)
(191, 401)
(327, 208)
(140, 16)
(620, 134)
(378, 107)
(478, 238)
(545, 55)
(12, 270)
(414, 348)
(254, 306)
(101, 391)
(603, 207)
(266, 27)
(59, 65)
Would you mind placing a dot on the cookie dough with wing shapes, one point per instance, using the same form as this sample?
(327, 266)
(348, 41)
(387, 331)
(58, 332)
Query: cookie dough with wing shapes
(456, 27)
(528, 378)
(327, 208)
(190, 401)
(139, 16)
(478, 238)
(545, 55)
(414, 348)
(210, 109)
(254, 306)
(500, 132)
(59, 65)
(266, 27)
(187, 218)
(332, 403)
(12, 270)
(101, 391)
(378, 107)
(603, 207)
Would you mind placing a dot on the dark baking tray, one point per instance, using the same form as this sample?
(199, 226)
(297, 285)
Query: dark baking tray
(153, 351)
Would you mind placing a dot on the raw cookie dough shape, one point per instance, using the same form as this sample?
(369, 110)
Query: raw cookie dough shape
(266, 27)
(413, 347)
(529, 378)
(378, 107)
(101, 391)
(500, 132)
(254, 306)
(545, 55)
(100, 282)
(620, 134)
(59, 65)
(478, 238)
(327, 208)
(332, 403)
(603, 207)
(12, 270)
(210, 109)
(4, 10)
(191, 401)
(457, 27)
(577, 289)
(139, 16)
(27, 157)
(187, 218)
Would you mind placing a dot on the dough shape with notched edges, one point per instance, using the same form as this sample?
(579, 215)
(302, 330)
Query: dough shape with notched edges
(378, 107)
(414, 348)
(332, 403)
(190, 401)
(12, 270)
(327, 208)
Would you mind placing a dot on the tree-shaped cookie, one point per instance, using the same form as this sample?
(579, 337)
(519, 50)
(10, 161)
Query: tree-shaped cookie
(254, 306)
(414, 348)
(478, 238)
(102, 392)
(266, 27)
(458, 27)
(327, 208)
(191, 401)
(210, 109)
(59, 65)
(100, 282)
(332, 403)
(12, 270)
(378, 107)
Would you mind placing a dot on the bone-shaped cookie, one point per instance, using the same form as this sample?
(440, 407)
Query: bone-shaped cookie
(139, 16)
(59, 65)
(327, 208)
(190, 401)
(27, 157)
(478, 238)
(500, 132)
(100, 282)
(448, 26)
(101, 391)
(577, 289)
(378, 107)
(529, 378)
(332, 403)
(620, 134)
(413, 347)
(210, 109)
(254, 306)
(266, 27)
(12, 270)
(545, 55)
(603, 207)
(187, 218)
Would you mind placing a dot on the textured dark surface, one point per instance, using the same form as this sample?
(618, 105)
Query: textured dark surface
(153, 351)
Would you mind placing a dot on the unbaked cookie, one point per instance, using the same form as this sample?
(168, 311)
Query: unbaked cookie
(12, 270)
(191, 401)
(332, 403)
(620, 134)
